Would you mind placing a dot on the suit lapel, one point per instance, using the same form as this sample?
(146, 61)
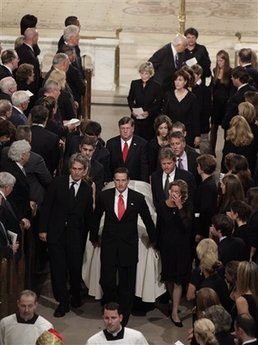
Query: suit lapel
(132, 148)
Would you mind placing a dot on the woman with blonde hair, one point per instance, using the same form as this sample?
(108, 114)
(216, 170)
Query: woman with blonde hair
(146, 95)
(206, 245)
(67, 107)
(240, 140)
(209, 266)
(204, 331)
(247, 290)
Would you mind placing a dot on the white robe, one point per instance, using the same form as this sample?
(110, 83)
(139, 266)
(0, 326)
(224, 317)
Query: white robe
(131, 337)
(13, 332)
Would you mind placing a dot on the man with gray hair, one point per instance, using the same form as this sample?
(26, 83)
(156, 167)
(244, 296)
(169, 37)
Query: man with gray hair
(19, 198)
(71, 37)
(65, 220)
(20, 101)
(7, 248)
(5, 109)
(10, 61)
(25, 326)
(7, 86)
(168, 59)
(27, 55)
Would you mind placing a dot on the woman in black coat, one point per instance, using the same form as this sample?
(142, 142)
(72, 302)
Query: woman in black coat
(145, 94)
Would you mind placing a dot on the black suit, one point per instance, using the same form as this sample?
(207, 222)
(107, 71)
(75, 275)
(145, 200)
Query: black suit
(136, 161)
(5, 72)
(46, 144)
(202, 56)
(119, 245)
(233, 102)
(164, 65)
(5, 249)
(205, 205)
(38, 177)
(253, 73)
(96, 173)
(27, 55)
(67, 223)
(149, 98)
(192, 155)
(158, 194)
(18, 118)
(20, 196)
(232, 248)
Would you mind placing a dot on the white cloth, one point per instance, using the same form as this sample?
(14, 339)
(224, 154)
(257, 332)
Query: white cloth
(148, 285)
(15, 333)
(131, 337)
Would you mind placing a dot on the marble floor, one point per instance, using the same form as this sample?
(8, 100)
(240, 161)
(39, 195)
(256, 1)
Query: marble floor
(77, 326)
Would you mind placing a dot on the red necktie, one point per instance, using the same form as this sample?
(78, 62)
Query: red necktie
(125, 151)
(121, 206)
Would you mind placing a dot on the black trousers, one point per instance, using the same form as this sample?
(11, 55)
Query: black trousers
(118, 285)
(65, 259)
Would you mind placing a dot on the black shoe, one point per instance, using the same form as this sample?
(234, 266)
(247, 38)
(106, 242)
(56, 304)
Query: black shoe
(176, 323)
(76, 302)
(61, 310)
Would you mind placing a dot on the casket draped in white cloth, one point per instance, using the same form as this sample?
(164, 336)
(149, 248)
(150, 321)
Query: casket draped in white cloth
(148, 285)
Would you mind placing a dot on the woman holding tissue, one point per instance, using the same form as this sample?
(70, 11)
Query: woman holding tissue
(144, 100)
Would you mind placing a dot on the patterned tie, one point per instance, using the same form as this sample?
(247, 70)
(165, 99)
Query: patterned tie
(125, 151)
(166, 187)
(121, 206)
(180, 164)
(176, 61)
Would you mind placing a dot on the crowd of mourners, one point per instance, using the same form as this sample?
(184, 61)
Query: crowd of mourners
(206, 231)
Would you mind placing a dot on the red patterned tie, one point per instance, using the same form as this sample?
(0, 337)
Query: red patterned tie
(125, 151)
(121, 206)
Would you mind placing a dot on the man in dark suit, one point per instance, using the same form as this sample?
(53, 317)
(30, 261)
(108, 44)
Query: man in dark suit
(7, 87)
(20, 101)
(96, 169)
(246, 329)
(245, 60)
(71, 37)
(186, 156)
(7, 216)
(27, 54)
(73, 76)
(128, 150)
(167, 60)
(65, 219)
(10, 61)
(44, 142)
(119, 242)
(169, 173)
(240, 79)
(19, 198)
(229, 247)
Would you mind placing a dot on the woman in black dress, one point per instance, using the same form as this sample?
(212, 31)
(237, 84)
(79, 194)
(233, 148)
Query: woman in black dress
(181, 105)
(162, 128)
(221, 90)
(147, 94)
(174, 219)
(240, 140)
(247, 291)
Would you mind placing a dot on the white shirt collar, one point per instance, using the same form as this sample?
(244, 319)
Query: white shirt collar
(128, 142)
(240, 87)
